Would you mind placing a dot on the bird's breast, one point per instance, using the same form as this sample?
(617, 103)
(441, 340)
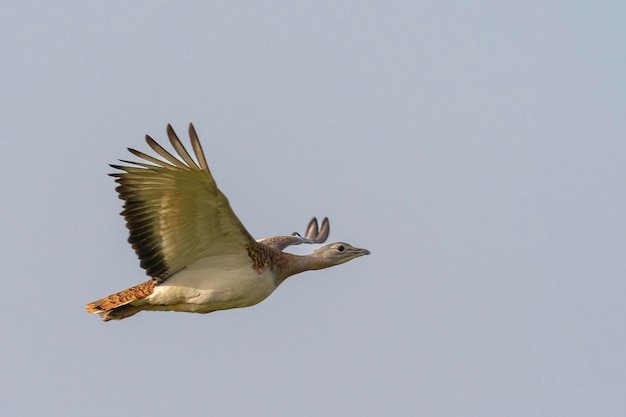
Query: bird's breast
(214, 283)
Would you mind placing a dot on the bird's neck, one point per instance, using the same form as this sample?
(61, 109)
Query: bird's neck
(294, 264)
(282, 264)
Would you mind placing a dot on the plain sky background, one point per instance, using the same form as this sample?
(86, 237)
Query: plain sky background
(477, 148)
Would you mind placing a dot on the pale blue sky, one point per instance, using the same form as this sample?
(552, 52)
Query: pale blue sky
(478, 149)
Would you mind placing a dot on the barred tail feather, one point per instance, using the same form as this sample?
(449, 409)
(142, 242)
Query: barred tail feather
(117, 306)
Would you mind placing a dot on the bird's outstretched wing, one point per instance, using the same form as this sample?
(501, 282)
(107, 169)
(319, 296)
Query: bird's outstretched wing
(313, 234)
(174, 211)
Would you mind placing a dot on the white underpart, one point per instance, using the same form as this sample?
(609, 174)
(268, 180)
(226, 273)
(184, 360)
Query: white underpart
(213, 283)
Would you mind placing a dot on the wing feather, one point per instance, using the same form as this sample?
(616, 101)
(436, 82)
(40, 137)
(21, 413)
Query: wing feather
(174, 211)
(176, 143)
(311, 230)
(312, 235)
(165, 154)
(155, 161)
(197, 148)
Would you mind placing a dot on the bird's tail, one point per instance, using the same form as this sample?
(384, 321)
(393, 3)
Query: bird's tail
(117, 306)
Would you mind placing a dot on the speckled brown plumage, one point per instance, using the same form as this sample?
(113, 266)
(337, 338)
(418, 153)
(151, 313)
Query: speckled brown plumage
(264, 257)
(121, 298)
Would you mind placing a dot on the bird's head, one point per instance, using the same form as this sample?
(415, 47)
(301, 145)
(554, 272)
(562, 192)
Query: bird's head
(339, 252)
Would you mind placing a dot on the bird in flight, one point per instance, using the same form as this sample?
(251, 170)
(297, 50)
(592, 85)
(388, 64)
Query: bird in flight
(198, 255)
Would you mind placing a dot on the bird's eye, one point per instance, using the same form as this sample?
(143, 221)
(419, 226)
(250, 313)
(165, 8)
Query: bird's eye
(340, 248)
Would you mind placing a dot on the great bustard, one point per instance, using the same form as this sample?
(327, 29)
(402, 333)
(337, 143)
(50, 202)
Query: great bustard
(198, 254)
